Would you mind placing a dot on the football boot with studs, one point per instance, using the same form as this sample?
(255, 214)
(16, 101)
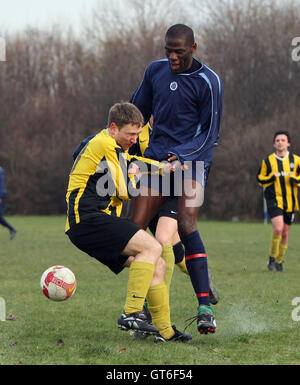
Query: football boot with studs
(136, 321)
(138, 335)
(271, 264)
(206, 322)
(178, 336)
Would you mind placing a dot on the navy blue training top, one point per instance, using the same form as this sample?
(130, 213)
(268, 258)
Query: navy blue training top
(186, 110)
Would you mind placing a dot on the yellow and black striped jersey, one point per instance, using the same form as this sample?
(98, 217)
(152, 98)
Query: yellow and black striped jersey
(99, 179)
(281, 191)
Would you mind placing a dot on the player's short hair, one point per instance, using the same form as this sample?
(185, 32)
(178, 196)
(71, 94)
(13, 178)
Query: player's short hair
(281, 132)
(181, 31)
(125, 113)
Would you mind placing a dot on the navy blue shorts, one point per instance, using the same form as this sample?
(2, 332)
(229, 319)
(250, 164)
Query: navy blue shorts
(172, 184)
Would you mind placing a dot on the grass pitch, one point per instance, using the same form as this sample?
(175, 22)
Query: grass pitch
(254, 316)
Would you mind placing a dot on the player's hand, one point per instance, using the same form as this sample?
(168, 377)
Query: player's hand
(134, 170)
(171, 158)
(168, 167)
(172, 166)
(175, 162)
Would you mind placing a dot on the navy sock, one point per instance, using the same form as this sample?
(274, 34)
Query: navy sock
(196, 263)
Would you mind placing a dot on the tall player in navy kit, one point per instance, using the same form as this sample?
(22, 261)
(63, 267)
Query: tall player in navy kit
(185, 98)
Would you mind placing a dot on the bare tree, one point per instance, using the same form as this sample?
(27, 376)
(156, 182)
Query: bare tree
(57, 89)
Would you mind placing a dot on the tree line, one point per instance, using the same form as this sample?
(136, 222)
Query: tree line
(57, 86)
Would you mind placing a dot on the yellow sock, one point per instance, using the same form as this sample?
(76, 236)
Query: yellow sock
(140, 277)
(182, 266)
(158, 304)
(168, 256)
(274, 249)
(281, 253)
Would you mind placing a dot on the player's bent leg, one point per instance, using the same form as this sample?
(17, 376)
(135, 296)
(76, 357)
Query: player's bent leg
(165, 230)
(158, 278)
(140, 278)
(146, 251)
(144, 269)
(143, 247)
(145, 206)
(146, 246)
(140, 285)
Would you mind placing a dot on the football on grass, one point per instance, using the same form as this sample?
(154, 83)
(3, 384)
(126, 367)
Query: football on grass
(58, 283)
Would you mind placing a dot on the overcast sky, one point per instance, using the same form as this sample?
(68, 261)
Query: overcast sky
(17, 14)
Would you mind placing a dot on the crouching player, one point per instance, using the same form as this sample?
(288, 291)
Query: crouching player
(98, 183)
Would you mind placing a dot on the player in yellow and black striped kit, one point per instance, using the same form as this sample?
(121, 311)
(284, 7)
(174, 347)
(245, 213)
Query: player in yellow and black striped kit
(101, 178)
(279, 174)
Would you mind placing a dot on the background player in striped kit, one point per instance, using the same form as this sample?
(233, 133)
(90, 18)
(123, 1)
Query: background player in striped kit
(279, 174)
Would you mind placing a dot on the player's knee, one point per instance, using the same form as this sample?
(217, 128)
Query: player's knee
(156, 249)
(153, 249)
(164, 238)
(278, 230)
